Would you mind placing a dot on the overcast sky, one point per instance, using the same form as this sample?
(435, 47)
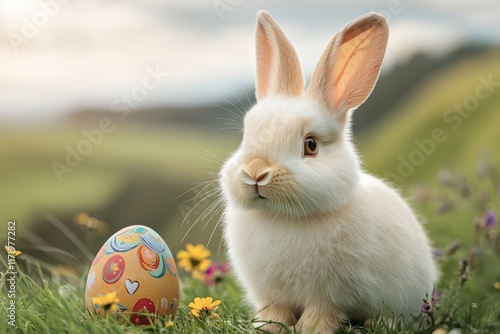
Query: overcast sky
(74, 54)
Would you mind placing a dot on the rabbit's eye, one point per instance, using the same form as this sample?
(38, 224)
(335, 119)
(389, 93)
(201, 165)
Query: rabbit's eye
(310, 146)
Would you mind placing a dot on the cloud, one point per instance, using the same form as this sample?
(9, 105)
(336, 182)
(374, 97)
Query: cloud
(91, 51)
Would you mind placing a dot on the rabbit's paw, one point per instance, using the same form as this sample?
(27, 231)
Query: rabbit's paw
(279, 318)
(319, 320)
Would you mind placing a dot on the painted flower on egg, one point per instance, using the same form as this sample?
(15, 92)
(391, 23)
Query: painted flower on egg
(113, 269)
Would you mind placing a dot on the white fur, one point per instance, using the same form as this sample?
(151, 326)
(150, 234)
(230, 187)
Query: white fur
(328, 237)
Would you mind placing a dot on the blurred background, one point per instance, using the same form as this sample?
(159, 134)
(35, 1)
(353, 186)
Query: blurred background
(115, 113)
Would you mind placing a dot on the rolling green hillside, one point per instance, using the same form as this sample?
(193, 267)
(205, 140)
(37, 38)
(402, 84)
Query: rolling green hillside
(462, 139)
(134, 176)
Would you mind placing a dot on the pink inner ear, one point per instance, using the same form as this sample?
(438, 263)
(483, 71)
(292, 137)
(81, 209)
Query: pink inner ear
(278, 68)
(349, 67)
(353, 66)
(265, 60)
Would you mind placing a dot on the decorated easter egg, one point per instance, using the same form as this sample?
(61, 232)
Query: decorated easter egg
(133, 275)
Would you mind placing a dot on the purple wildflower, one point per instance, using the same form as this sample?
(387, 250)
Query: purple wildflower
(426, 307)
(435, 296)
(490, 220)
(430, 305)
(438, 253)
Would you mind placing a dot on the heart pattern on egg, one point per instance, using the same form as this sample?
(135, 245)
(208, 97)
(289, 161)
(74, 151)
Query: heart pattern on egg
(90, 280)
(131, 286)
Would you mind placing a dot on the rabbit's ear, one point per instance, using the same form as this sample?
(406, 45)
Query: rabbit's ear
(349, 67)
(278, 67)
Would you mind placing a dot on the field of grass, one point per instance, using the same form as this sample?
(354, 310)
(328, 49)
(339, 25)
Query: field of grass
(467, 249)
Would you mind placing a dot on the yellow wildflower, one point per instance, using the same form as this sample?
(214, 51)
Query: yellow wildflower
(439, 331)
(12, 251)
(169, 323)
(195, 259)
(496, 285)
(85, 221)
(204, 307)
(108, 301)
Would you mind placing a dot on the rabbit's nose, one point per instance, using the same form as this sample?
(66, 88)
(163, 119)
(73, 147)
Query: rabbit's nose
(260, 179)
(263, 178)
(257, 172)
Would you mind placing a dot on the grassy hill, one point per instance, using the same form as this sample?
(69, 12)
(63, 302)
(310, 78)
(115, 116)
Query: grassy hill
(134, 176)
(426, 109)
(452, 185)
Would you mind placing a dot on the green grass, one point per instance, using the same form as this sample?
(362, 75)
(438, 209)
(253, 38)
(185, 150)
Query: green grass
(46, 302)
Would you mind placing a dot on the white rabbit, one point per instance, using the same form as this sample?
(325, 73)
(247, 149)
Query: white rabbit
(314, 239)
